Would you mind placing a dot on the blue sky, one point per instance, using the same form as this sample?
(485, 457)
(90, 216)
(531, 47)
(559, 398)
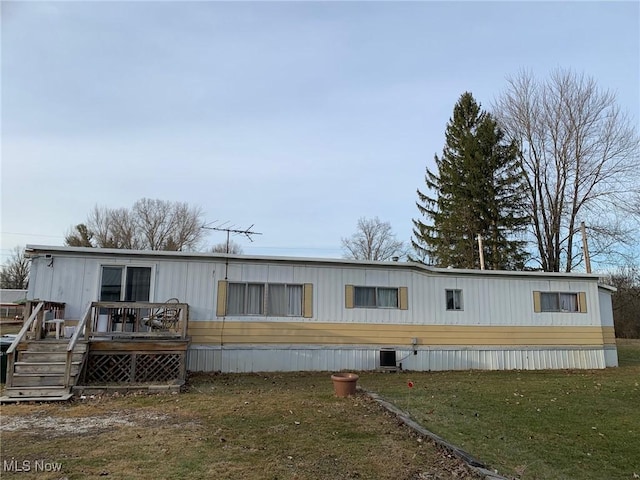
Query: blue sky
(296, 117)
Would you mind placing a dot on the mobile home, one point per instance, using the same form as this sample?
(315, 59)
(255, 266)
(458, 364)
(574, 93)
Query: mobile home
(254, 313)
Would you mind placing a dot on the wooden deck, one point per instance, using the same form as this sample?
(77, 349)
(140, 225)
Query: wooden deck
(123, 345)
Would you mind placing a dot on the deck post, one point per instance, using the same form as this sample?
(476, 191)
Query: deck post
(39, 324)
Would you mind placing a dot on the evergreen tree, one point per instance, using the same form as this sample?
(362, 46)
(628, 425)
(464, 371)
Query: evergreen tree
(477, 189)
(81, 236)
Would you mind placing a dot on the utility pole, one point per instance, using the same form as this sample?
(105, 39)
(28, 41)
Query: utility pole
(585, 247)
(480, 249)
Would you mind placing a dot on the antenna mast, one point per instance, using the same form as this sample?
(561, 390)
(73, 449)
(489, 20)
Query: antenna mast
(221, 228)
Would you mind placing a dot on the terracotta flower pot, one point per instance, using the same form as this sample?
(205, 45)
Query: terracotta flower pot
(344, 384)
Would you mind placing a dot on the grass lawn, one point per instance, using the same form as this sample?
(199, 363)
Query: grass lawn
(532, 424)
(275, 426)
(527, 424)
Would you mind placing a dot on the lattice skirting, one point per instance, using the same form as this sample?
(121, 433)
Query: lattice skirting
(134, 368)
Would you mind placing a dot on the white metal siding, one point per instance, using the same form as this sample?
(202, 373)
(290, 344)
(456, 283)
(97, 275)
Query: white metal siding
(606, 309)
(40, 279)
(66, 280)
(171, 281)
(255, 358)
(498, 300)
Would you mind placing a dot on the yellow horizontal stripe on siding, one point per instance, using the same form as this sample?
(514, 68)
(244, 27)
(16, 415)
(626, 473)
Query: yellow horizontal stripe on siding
(381, 334)
(609, 335)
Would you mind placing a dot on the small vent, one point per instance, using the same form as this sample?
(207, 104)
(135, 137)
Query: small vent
(387, 358)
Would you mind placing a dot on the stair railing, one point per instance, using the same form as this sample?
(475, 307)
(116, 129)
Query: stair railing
(81, 328)
(35, 314)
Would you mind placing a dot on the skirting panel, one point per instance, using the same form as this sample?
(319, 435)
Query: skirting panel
(611, 355)
(284, 358)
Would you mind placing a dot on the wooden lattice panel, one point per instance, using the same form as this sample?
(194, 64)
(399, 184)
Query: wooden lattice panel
(158, 367)
(134, 368)
(109, 368)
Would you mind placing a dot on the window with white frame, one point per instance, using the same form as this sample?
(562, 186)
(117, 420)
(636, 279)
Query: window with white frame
(454, 299)
(271, 299)
(375, 297)
(125, 283)
(559, 302)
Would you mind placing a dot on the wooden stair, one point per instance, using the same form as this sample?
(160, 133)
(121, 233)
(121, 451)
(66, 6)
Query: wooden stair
(39, 370)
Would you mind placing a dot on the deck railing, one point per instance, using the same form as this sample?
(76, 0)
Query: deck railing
(47, 311)
(37, 313)
(35, 316)
(138, 319)
(81, 329)
(129, 320)
(106, 320)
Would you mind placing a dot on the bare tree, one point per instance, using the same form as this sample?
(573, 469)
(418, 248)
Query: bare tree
(634, 210)
(99, 224)
(14, 273)
(155, 222)
(187, 227)
(148, 225)
(579, 153)
(373, 240)
(125, 230)
(232, 248)
(626, 301)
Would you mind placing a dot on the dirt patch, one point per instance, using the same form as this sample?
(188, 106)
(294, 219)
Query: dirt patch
(50, 426)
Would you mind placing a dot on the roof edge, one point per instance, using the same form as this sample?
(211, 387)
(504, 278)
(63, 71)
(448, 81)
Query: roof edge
(605, 286)
(33, 250)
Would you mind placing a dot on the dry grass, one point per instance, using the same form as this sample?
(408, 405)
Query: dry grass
(226, 426)
(7, 328)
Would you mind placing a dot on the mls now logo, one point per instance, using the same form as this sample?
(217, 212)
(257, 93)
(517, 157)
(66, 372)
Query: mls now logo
(14, 465)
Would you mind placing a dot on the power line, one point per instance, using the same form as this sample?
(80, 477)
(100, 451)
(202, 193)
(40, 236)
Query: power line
(32, 234)
(284, 247)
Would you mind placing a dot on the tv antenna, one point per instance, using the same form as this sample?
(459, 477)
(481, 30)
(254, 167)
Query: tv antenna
(231, 229)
